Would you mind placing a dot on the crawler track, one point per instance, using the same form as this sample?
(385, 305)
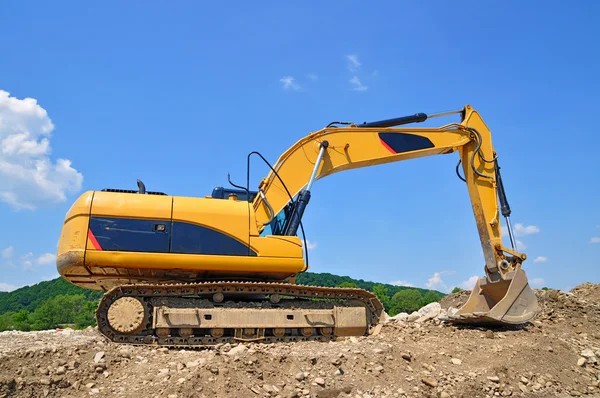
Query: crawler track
(251, 295)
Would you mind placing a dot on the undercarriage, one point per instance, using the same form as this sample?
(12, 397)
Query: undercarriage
(208, 313)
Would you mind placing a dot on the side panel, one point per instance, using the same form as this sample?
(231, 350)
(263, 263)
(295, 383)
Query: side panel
(197, 239)
(129, 234)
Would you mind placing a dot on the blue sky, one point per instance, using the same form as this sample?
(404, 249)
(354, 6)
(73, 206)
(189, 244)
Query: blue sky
(177, 94)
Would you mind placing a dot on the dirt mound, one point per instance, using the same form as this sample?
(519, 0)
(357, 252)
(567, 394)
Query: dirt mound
(557, 355)
(455, 300)
(588, 291)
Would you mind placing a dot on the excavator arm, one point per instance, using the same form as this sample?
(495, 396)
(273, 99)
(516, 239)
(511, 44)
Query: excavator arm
(503, 295)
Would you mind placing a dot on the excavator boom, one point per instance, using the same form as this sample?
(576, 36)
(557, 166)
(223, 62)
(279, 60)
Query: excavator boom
(503, 295)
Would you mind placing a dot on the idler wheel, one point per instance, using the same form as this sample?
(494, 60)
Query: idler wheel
(127, 315)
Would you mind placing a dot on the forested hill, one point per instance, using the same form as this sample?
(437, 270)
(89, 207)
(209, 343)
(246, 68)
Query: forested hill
(31, 297)
(50, 304)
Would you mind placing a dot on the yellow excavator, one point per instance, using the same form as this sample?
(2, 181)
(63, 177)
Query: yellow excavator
(189, 271)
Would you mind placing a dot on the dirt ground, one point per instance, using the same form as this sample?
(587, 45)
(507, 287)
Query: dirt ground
(554, 356)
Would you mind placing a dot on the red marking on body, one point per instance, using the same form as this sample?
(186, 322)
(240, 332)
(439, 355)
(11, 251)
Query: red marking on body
(387, 146)
(94, 240)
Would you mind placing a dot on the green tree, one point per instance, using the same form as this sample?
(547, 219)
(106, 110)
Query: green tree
(348, 284)
(456, 290)
(21, 320)
(382, 294)
(408, 300)
(429, 297)
(6, 321)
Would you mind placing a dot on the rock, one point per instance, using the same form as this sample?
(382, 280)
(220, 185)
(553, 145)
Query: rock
(125, 353)
(495, 379)
(99, 356)
(456, 361)
(320, 381)
(413, 317)
(377, 351)
(269, 389)
(452, 310)
(45, 381)
(430, 311)
(444, 394)
(61, 370)
(405, 356)
(192, 364)
(90, 385)
(378, 369)
(589, 355)
(300, 376)
(401, 317)
(581, 361)
(489, 334)
(429, 381)
(522, 387)
(240, 349)
(180, 366)
(163, 350)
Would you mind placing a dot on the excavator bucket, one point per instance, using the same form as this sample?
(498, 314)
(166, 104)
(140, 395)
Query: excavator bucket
(508, 301)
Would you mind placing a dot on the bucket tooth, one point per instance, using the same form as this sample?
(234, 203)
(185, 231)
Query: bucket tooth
(508, 301)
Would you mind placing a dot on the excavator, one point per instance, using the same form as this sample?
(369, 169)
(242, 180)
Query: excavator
(193, 271)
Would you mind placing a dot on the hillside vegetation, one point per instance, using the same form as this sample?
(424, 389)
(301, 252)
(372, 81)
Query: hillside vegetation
(52, 304)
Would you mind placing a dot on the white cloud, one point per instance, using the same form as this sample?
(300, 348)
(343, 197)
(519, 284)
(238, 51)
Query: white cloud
(436, 282)
(469, 283)
(537, 282)
(521, 230)
(540, 259)
(288, 83)
(358, 86)
(46, 258)
(353, 63)
(26, 262)
(28, 176)
(520, 245)
(8, 252)
(5, 287)
(402, 283)
(595, 239)
(311, 245)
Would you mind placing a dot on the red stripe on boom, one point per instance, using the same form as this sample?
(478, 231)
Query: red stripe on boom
(94, 240)
(387, 146)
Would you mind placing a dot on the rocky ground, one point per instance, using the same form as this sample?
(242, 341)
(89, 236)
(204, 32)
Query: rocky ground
(415, 355)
